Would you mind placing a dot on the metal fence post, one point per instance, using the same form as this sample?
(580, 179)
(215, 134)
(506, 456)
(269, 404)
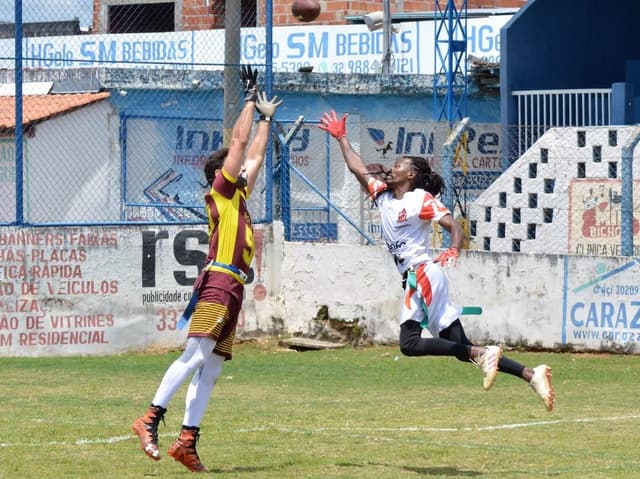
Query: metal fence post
(19, 133)
(627, 194)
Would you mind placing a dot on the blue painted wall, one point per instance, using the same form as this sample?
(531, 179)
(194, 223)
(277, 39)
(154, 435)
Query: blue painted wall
(569, 44)
(551, 44)
(633, 90)
(208, 104)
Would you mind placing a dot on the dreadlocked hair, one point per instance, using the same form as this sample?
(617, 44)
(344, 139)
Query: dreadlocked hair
(426, 178)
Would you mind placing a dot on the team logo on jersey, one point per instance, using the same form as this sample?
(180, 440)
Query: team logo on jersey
(402, 216)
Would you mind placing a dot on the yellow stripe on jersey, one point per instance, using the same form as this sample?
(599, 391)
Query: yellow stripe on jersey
(228, 222)
(208, 318)
(227, 271)
(224, 347)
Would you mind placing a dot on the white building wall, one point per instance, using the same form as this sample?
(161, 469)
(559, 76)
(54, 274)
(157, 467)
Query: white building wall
(68, 291)
(72, 165)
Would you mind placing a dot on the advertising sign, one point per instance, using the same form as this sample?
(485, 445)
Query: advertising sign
(328, 48)
(97, 290)
(595, 217)
(603, 312)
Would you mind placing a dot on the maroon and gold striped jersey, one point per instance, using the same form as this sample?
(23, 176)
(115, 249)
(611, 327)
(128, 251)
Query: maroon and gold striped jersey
(231, 239)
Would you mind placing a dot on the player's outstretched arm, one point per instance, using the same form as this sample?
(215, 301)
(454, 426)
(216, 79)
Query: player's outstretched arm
(337, 128)
(449, 257)
(258, 147)
(242, 128)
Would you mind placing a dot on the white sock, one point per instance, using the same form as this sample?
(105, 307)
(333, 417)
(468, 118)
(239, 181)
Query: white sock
(196, 353)
(171, 382)
(200, 390)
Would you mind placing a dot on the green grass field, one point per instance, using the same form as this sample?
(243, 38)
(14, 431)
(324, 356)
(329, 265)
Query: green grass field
(350, 413)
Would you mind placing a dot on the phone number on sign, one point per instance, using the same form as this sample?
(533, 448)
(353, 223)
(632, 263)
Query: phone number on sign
(618, 290)
(401, 65)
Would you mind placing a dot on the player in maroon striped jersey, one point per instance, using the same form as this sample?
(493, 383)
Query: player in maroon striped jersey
(218, 291)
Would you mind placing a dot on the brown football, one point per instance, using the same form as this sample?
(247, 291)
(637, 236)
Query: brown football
(305, 10)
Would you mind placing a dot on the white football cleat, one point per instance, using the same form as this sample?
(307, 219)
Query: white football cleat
(541, 384)
(488, 362)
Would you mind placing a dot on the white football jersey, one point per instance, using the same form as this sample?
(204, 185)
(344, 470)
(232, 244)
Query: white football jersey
(406, 223)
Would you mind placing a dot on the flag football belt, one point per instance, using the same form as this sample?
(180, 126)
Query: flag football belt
(409, 277)
(188, 311)
(229, 267)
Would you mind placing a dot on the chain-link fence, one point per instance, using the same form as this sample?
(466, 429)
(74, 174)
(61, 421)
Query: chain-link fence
(573, 191)
(121, 105)
(325, 203)
(123, 102)
(565, 195)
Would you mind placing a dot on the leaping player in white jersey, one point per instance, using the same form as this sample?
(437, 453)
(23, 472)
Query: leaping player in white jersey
(407, 199)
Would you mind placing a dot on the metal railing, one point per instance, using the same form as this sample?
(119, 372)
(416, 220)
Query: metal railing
(539, 110)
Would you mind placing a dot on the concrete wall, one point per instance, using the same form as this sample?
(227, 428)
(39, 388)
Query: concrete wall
(534, 301)
(100, 290)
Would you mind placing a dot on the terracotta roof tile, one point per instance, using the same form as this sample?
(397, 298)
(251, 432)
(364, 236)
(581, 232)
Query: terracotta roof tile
(41, 107)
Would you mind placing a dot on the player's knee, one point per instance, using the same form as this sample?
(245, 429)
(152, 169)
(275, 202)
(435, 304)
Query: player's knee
(410, 334)
(409, 344)
(409, 348)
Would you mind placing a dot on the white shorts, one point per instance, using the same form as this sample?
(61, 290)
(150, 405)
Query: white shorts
(433, 291)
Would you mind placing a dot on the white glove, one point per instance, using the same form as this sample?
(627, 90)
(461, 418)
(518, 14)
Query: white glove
(267, 108)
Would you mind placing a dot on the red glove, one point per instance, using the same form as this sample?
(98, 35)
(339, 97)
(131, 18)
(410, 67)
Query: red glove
(448, 258)
(330, 123)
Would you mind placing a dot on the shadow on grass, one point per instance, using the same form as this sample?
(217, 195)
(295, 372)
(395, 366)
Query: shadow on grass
(442, 471)
(236, 470)
(212, 470)
(425, 471)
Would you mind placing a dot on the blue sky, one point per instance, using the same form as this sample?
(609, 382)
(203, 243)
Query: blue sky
(48, 10)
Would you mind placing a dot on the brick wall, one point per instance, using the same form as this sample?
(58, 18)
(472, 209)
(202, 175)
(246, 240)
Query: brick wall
(96, 15)
(335, 11)
(198, 16)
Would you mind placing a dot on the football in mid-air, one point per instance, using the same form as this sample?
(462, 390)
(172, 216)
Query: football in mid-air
(305, 10)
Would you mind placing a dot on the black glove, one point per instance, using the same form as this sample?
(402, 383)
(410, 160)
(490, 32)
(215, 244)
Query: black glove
(249, 82)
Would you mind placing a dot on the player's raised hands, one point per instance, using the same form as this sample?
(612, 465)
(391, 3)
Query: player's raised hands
(265, 107)
(249, 80)
(336, 127)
